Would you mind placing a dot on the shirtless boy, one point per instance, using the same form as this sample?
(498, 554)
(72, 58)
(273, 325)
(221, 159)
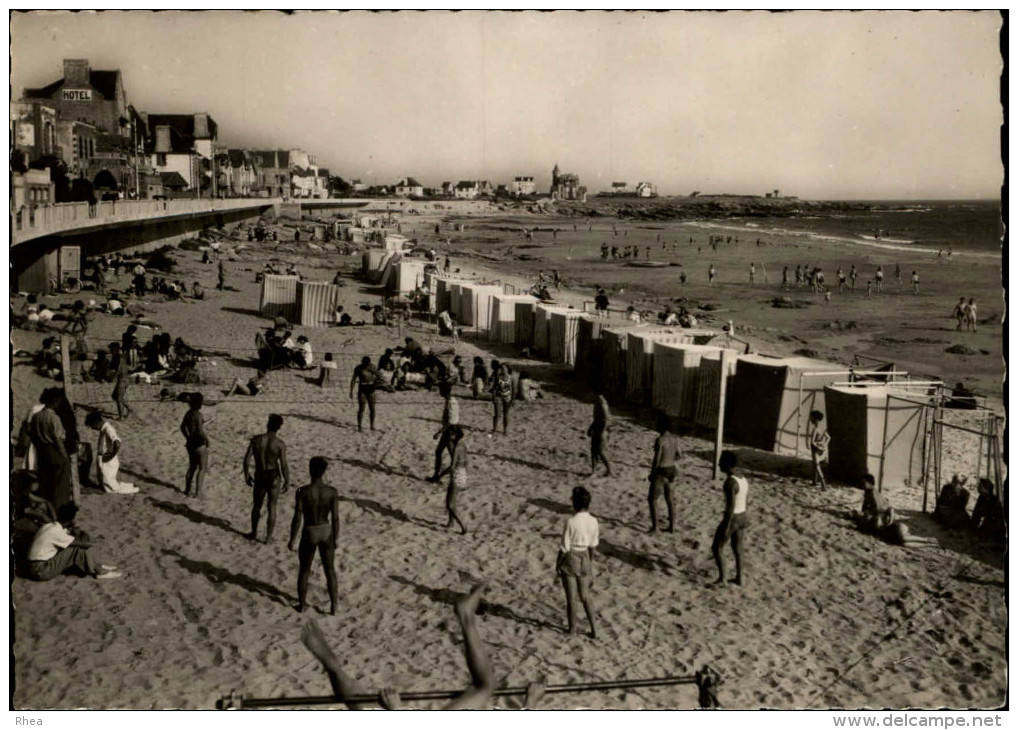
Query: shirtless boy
(663, 471)
(316, 504)
(268, 452)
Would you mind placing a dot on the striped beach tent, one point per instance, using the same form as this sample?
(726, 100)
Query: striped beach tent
(476, 304)
(713, 371)
(525, 311)
(676, 377)
(562, 328)
(316, 303)
(279, 296)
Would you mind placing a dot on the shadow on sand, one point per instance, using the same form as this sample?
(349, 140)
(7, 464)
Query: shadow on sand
(448, 596)
(215, 574)
(199, 518)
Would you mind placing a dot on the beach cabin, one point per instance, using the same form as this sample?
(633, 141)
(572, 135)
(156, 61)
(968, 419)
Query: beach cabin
(395, 243)
(614, 340)
(640, 355)
(676, 376)
(542, 320)
(502, 327)
(279, 296)
(408, 274)
(878, 430)
(316, 303)
(713, 371)
(476, 304)
(588, 341)
(771, 399)
(562, 327)
(525, 312)
(372, 259)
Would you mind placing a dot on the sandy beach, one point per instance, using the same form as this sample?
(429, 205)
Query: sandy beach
(830, 618)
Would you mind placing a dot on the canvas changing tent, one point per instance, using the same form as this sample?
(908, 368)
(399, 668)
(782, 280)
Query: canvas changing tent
(279, 296)
(588, 341)
(640, 355)
(614, 339)
(676, 377)
(476, 304)
(542, 320)
(502, 327)
(525, 312)
(408, 274)
(771, 398)
(316, 303)
(713, 371)
(878, 430)
(372, 259)
(562, 327)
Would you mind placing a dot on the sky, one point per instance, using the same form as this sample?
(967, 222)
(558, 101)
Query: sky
(822, 105)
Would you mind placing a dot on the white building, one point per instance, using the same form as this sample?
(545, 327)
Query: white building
(408, 187)
(645, 190)
(522, 185)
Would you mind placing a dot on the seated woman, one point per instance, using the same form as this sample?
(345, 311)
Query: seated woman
(302, 355)
(877, 518)
(528, 390)
(197, 292)
(951, 502)
(100, 371)
(254, 386)
(377, 315)
(988, 515)
(48, 361)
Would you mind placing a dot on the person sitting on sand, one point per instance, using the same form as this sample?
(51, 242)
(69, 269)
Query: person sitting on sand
(663, 471)
(268, 454)
(732, 527)
(108, 455)
(819, 441)
(575, 563)
(951, 502)
(877, 518)
(477, 696)
(479, 377)
(317, 505)
(197, 291)
(254, 386)
(528, 390)
(598, 433)
(988, 515)
(55, 550)
(302, 354)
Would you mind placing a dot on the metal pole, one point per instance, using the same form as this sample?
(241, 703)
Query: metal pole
(883, 444)
(719, 434)
(798, 417)
(230, 702)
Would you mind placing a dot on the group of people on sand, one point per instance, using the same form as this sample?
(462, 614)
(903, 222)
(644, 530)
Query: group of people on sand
(814, 278)
(277, 348)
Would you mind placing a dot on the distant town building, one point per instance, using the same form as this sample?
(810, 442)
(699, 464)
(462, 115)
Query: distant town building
(273, 173)
(182, 143)
(522, 185)
(408, 187)
(358, 185)
(645, 190)
(619, 188)
(448, 189)
(473, 189)
(566, 186)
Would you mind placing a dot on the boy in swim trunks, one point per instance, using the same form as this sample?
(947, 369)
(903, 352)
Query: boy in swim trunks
(663, 471)
(316, 504)
(733, 522)
(196, 443)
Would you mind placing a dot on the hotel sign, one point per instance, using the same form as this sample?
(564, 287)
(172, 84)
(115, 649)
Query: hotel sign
(76, 95)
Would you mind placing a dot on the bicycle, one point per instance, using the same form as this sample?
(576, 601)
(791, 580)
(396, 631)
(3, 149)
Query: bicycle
(67, 285)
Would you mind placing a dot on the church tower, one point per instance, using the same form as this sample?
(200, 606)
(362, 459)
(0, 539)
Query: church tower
(554, 176)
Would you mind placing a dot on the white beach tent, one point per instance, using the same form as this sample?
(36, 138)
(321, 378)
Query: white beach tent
(502, 327)
(542, 322)
(640, 355)
(476, 304)
(279, 296)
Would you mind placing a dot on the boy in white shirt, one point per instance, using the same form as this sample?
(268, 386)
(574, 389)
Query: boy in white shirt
(54, 550)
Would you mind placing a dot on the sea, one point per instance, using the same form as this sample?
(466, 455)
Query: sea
(969, 226)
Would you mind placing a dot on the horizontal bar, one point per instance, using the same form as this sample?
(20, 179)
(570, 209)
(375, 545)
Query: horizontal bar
(240, 702)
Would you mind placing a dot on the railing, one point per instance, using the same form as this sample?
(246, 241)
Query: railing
(28, 223)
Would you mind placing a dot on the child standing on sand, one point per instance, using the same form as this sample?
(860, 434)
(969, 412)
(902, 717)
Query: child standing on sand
(819, 440)
(575, 564)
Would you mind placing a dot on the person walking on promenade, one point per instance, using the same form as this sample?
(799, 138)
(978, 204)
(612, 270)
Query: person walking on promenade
(365, 377)
(733, 522)
(317, 505)
(575, 564)
(268, 454)
(197, 445)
